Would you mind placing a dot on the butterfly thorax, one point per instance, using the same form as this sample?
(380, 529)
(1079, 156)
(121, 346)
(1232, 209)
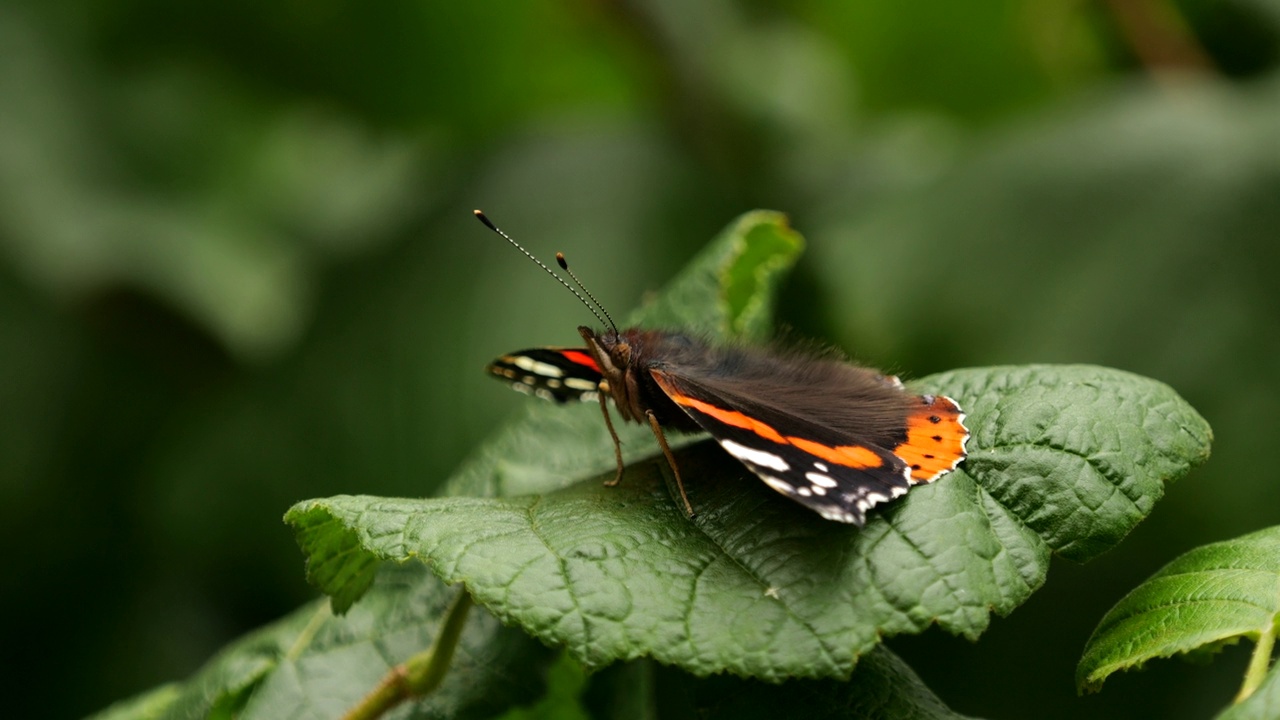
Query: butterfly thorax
(624, 359)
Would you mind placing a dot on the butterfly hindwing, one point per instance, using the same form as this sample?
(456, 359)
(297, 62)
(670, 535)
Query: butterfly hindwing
(935, 438)
(559, 374)
(839, 479)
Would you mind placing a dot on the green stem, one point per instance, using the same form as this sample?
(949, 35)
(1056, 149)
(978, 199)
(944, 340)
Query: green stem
(308, 633)
(420, 674)
(425, 671)
(1259, 663)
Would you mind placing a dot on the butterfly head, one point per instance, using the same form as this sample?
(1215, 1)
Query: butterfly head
(615, 355)
(612, 349)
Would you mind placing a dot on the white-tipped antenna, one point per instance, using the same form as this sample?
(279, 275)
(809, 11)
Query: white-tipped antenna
(593, 308)
(564, 265)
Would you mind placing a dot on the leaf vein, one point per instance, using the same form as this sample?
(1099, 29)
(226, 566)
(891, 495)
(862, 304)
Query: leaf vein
(827, 652)
(562, 565)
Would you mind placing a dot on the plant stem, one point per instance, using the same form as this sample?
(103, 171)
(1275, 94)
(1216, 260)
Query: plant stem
(1259, 663)
(427, 670)
(420, 674)
(308, 633)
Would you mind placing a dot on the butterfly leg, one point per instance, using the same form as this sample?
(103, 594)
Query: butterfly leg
(617, 444)
(666, 450)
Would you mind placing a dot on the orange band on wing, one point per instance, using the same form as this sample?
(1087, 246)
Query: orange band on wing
(729, 417)
(935, 439)
(853, 456)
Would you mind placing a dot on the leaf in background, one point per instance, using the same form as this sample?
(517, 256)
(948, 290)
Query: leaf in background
(314, 666)
(883, 688)
(232, 241)
(1064, 459)
(566, 680)
(150, 705)
(1209, 597)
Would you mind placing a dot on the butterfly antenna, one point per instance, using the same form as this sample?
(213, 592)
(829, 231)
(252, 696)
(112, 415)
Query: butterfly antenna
(489, 224)
(564, 265)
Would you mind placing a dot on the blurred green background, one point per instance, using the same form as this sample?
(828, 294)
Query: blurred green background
(238, 268)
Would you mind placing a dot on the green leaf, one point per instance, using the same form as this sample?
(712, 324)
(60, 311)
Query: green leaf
(313, 665)
(149, 705)
(728, 290)
(883, 687)
(1211, 596)
(1064, 459)
(566, 680)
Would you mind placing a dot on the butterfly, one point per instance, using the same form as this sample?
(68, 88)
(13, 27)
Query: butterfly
(835, 437)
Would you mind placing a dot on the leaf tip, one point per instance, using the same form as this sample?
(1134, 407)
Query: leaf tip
(337, 563)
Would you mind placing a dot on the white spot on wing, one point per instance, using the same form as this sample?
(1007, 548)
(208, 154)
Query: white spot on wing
(820, 480)
(821, 467)
(778, 484)
(579, 384)
(528, 364)
(833, 513)
(874, 498)
(755, 457)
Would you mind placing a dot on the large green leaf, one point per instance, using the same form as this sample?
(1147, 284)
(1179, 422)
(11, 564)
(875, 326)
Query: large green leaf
(313, 665)
(1213, 595)
(1064, 459)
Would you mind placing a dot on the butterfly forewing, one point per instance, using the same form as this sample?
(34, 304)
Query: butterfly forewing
(559, 374)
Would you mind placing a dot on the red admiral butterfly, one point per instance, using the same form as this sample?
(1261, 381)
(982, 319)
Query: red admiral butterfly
(834, 437)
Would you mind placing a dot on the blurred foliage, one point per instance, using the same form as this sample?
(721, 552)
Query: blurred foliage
(238, 268)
